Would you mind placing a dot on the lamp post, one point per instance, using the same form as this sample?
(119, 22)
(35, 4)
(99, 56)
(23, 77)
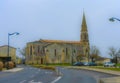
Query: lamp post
(10, 34)
(113, 19)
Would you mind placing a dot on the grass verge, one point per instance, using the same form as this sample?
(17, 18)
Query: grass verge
(118, 65)
(107, 68)
(59, 64)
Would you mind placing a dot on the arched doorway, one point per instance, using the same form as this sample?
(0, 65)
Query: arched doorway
(41, 60)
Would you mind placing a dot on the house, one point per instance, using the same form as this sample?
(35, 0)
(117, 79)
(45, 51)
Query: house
(4, 53)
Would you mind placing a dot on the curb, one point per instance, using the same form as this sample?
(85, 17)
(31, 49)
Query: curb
(13, 70)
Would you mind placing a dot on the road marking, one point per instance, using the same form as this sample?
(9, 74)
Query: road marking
(54, 81)
(23, 81)
(32, 81)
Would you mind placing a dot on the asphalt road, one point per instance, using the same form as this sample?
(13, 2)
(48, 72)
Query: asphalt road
(35, 75)
(28, 75)
(81, 76)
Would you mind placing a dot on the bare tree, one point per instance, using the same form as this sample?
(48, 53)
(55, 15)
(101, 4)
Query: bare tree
(23, 51)
(79, 57)
(94, 53)
(114, 53)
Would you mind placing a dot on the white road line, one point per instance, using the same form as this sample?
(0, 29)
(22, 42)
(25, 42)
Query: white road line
(23, 81)
(54, 81)
(32, 81)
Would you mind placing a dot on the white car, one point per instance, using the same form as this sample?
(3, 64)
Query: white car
(109, 64)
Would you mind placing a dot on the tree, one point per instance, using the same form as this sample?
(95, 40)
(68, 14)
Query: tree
(114, 53)
(79, 57)
(94, 53)
(23, 51)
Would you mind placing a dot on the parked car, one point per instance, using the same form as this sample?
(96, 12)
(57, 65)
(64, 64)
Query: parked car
(85, 63)
(78, 64)
(90, 64)
(93, 64)
(109, 64)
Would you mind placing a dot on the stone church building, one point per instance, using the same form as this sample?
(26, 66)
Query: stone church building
(59, 51)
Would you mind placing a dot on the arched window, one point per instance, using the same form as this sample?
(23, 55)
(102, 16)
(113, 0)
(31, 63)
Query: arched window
(30, 50)
(74, 51)
(47, 50)
(55, 52)
(66, 51)
(38, 49)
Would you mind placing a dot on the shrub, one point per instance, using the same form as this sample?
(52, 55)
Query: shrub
(99, 64)
(1, 65)
(118, 64)
(9, 65)
(14, 64)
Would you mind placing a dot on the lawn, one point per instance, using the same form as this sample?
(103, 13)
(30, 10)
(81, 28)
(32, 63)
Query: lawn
(118, 65)
(59, 64)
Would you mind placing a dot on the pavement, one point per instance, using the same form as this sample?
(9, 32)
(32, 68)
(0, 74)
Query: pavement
(13, 70)
(98, 70)
(114, 79)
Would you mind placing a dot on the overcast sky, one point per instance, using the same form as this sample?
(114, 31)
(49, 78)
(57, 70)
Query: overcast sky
(60, 20)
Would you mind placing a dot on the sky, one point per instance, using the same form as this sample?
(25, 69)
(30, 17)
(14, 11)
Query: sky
(60, 20)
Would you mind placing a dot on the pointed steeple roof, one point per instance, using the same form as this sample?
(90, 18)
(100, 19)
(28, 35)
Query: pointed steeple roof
(84, 25)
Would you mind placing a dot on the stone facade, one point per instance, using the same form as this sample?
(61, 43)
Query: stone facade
(4, 52)
(58, 51)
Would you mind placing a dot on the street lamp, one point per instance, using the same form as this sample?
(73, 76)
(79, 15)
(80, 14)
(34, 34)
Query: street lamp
(10, 34)
(113, 19)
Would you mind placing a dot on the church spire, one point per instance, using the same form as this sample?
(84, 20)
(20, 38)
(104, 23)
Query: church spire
(84, 32)
(84, 25)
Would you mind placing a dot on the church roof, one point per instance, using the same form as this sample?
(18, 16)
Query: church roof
(59, 41)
